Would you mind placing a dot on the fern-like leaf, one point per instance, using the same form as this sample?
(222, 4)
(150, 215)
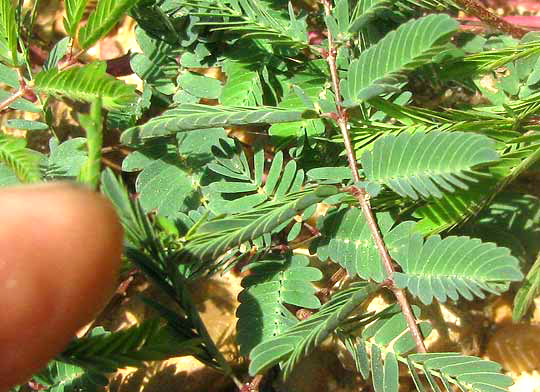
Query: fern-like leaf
(15, 155)
(64, 377)
(106, 352)
(425, 163)
(467, 372)
(86, 84)
(299, 340)
(364, 11)
(8, 29)
(411, 45)
(271, 284)
(215, 237)
(103, 19)
(453, 266)
(247, 186)
(74, 14)
(194, 116)
(346, 239)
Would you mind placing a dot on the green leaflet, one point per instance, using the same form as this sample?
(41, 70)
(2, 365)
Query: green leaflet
(411, 45)
(74, 14)
(452, 267)
(424, 163)
(272, 283)
(194, 116)
(102, 20)
(15, 155)
(8, 31)
(296, 342)
(86, 84)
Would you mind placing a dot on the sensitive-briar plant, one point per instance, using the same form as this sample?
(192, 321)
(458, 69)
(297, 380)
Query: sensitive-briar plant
(336, 153)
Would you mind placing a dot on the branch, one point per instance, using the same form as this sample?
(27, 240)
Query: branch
(362, 196)
(475, 8)
(12, 98)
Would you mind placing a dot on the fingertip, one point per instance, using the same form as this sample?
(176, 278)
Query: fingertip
(60, 247)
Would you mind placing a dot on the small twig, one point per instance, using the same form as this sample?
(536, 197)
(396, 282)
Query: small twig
(9, 100)
(475, 8)
(362, 196)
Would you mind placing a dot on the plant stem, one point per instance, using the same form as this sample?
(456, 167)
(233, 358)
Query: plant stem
(9, 100)
(363, 197)
(475, 8)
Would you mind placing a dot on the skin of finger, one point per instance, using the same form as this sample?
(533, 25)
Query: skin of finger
(60, 249)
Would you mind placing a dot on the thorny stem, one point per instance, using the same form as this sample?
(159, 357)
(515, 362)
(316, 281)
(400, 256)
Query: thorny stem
(363, 197)
(475, 8)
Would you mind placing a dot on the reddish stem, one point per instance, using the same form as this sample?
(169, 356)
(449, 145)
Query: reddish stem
(362, 196)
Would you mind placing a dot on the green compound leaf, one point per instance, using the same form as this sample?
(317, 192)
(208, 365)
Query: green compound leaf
(200, 86)
(347, 240)
(272, 283)
(66, 159)
(454, 266)
(194, 116)
(299, 340)
(243, 87)
(86, 84)
(411, 45)
(424, 163)
(169, 181)
(64, 377)
(217, 236)
(102, 20)
(8, 30)
(468, 372)
(365, 11)
(238, 180)
(149, 341)
(24, 162)
(74, 14)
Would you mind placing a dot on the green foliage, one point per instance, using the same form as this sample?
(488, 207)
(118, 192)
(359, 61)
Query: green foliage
(271, 284)
(195, 116)
(102, 20)
(297, 341)
(149, 341)
(376, 69)
(467, 372)
(23, 161)
(234, 157)
(346, 240)
(8, 33)
(64, 377)
(74, 14)
(423, 163)
(454, 266)
(86, 84)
